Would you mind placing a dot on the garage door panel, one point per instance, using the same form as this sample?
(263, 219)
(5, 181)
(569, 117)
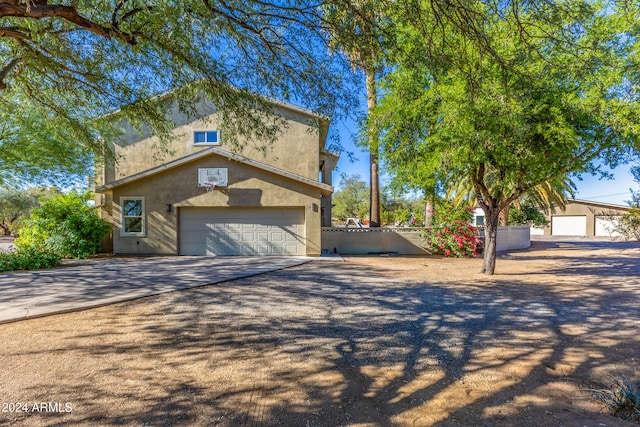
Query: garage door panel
(606, 225)
(290, 249)
(277, 237)
(569, 225)
(221, 231)
(289, 237)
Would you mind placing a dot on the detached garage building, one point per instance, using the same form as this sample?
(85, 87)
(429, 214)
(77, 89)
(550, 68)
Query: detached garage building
(584, 218)
(209, 198)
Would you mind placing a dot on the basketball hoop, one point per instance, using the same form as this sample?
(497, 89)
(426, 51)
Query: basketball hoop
(210, 186)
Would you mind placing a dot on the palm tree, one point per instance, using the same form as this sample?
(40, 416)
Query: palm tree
(545, 196)
(355, 31)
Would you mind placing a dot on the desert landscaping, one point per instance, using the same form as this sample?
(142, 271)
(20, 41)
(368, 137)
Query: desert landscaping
(364, 341)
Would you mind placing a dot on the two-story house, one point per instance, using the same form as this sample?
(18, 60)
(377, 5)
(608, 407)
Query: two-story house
(206, 198)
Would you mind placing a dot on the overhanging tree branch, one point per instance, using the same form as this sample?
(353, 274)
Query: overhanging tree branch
(6, 70)
(68, 13)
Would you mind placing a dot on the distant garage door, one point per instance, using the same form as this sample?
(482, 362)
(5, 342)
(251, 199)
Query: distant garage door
(231, 231)
(575, 225)
(605, 225)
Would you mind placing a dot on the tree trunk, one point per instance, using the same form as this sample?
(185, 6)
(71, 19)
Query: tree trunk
(504, 217)
(428, 212)
(374, 213)
(374, 194)
(492, 217)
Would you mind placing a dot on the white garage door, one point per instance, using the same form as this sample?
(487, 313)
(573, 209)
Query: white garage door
(569, 225)
(232, 231)
(605, 226)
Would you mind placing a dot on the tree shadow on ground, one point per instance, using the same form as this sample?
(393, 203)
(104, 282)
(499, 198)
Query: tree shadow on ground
(329, 345)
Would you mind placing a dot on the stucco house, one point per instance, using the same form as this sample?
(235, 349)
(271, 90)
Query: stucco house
(207, 198)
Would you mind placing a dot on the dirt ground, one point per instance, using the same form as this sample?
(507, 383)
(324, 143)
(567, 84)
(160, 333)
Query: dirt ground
(372, 341)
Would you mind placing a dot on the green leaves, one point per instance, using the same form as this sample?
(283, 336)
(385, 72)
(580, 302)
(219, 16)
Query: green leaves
(64, 225)
(28, 259)
(508, 95)
(527, 96)
(65, 67)
(14, 206)
(352, 199)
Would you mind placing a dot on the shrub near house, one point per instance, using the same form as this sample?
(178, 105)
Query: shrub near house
(65, 226)
(28, 259)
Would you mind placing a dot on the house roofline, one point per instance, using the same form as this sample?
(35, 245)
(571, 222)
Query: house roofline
(325, 189)
(330, 153)
(600, 204)
(324, 121)
(274, 101)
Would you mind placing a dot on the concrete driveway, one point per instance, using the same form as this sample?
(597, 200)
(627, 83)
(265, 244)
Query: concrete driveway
(90, 283)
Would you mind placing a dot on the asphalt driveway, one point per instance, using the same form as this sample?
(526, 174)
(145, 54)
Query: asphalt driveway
(90, 283)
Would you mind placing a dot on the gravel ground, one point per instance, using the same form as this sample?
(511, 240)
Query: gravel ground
(6, 244)
(371, 341)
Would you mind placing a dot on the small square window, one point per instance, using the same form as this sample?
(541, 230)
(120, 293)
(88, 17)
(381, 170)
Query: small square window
(205, 137)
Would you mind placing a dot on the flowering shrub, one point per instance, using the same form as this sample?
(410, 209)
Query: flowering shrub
(458, 239)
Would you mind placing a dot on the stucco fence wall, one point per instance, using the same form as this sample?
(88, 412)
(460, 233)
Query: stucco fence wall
(513, 237)
(403, 241)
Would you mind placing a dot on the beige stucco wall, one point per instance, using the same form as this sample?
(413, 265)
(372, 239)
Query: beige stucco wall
(363, 241)
(404, 241)
(584, 209)
(248, 187)
(296, 150)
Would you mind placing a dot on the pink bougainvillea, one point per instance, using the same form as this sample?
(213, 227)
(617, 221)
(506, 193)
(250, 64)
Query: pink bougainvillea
(459, 239)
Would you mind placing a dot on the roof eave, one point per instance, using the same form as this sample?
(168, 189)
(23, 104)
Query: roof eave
(325, 189)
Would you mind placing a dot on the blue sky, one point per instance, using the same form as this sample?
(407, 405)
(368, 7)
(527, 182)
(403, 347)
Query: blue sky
(592, 188)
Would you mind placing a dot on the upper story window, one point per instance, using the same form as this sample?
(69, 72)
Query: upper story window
(133, 216)
(206, 137)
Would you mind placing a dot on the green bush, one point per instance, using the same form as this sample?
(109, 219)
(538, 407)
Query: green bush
(446, 212)
(28, 259)
(65, 225)
(526, 215)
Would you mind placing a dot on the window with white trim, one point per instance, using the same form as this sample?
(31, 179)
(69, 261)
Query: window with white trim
(133, 216)
(206, 137)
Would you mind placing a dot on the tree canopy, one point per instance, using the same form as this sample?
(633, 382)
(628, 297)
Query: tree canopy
(14, 206)
(351, 199)
(509, 95)
(65, 65)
